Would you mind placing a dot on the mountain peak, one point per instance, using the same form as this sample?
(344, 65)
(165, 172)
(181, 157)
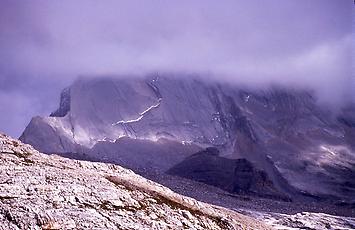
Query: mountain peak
(270, 128)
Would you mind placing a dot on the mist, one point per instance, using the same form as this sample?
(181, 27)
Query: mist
(45, 45)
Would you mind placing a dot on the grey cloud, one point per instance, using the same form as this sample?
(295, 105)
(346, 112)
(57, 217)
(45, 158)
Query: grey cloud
(46, 44)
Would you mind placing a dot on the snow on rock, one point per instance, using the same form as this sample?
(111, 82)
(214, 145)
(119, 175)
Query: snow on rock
(141, 115)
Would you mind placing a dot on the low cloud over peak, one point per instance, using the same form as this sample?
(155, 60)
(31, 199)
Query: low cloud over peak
(299, 43)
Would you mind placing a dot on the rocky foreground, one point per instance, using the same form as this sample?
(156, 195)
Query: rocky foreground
(39, 191)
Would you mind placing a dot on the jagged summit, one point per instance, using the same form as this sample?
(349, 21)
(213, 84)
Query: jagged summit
(300, 146)
(64, 106)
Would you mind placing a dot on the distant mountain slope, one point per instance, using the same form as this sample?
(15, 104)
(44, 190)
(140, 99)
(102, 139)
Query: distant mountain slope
(284, 132)
(38, 191)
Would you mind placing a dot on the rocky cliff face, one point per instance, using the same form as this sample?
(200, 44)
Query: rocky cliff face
(39, 191)
(283, 132)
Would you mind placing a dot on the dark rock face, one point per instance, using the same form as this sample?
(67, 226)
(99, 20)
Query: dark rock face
(64, 106)
(207, 167)
(236, 176)
(245, 176)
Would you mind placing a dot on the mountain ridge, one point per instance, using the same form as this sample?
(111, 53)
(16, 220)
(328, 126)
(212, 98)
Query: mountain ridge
(269, 128)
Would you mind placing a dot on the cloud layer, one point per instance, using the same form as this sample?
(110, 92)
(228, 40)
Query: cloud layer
(46, 44)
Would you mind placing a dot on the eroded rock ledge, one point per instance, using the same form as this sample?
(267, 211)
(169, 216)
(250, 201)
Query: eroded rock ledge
(39, 191)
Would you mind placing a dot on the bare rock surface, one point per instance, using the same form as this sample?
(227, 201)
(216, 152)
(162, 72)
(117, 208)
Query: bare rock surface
(304, 220)
(39, 191)
(283, 131)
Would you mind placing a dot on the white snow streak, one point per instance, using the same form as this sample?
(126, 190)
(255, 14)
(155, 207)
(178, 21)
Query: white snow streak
(141, 115)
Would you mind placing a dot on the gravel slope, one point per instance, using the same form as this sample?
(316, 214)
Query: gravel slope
(39, 191)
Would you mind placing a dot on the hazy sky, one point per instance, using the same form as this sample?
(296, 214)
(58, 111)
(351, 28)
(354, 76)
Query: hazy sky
(45, 45)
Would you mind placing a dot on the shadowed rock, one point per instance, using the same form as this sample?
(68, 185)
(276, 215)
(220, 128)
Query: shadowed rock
(233, 175)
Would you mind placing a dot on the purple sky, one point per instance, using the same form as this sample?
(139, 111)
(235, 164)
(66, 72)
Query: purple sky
(45, 45)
